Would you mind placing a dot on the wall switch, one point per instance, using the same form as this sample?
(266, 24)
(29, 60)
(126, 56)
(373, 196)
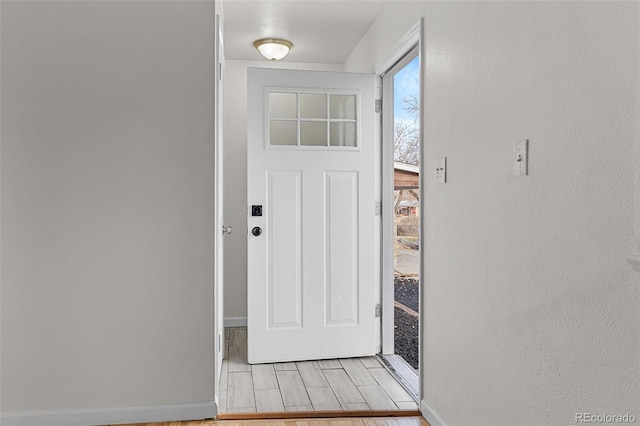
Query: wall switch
(441, 170)
(521, 158)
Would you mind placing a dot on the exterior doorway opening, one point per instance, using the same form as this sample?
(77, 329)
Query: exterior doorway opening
(401, 268)
(310, 345)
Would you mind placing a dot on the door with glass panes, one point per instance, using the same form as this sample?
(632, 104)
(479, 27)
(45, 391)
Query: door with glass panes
(311, 241)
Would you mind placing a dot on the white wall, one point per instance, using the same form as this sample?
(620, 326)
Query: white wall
(235, 178)
(107, 204)
(531, 311)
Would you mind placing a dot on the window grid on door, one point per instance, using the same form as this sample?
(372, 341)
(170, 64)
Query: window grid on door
(303, 119)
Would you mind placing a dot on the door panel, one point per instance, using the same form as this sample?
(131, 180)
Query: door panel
(341, 236)
(312, 166)
(284, 210)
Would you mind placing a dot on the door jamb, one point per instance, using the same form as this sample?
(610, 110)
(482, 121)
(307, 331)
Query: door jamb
(218, 237)
(414, 37)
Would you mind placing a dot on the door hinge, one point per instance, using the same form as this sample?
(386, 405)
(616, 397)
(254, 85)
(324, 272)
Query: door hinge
(220, 71)
(378, 105)
(378, 208)
(378, 310)
(219, 342)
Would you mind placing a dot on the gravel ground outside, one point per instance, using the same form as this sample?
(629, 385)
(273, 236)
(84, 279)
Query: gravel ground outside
(406, 292)
(406, 326)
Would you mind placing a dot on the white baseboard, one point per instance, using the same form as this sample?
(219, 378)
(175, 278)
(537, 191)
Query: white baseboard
(431, 415)
(119, 415)
(235, 321)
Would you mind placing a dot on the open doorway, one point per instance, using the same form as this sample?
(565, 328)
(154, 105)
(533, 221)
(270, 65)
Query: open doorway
(305, 224)
(401, 227)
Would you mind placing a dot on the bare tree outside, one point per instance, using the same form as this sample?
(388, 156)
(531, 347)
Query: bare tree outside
(406, 142)
(406, 137)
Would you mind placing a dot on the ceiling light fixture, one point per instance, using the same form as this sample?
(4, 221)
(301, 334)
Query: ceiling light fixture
(273, 49)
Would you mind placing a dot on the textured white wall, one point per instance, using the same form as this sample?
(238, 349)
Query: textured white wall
(235, 177)
(107, 204)
(531, 312)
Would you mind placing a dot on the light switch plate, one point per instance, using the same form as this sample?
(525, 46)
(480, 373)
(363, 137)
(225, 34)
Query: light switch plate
(521, 158)
(441, 170)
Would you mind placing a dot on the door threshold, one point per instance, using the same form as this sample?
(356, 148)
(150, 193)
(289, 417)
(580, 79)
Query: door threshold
(404, 373)
(317, 414)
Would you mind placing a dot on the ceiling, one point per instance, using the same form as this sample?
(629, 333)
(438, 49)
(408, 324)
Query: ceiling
(322, 31)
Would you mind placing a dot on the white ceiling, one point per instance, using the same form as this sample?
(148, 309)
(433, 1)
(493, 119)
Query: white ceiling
(324, 31)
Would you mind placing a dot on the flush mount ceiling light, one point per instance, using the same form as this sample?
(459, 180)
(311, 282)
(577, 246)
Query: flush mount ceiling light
(273, 49)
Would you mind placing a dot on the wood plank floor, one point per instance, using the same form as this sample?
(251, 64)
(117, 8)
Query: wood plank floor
(344, 384)
(364, 421)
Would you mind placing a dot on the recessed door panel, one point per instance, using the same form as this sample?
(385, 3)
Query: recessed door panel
(284, 265)
(342, 252)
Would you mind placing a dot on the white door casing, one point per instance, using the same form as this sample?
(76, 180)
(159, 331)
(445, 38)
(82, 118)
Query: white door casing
(218, 237)
(312, 271)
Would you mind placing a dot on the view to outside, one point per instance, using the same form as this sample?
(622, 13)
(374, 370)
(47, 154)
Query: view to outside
(407, 210)
(406, 110)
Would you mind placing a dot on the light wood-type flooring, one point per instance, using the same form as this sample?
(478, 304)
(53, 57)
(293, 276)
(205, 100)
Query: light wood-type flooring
(326, 385)
(367, 421)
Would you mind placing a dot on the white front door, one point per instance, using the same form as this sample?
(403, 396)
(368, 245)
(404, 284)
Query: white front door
(312, 225)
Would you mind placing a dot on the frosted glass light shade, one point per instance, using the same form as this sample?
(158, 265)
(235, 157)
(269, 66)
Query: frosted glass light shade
(273, 49)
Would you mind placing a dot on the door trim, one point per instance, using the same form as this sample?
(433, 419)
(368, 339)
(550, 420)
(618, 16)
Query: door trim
(218, 184)
(413, 39)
